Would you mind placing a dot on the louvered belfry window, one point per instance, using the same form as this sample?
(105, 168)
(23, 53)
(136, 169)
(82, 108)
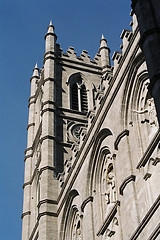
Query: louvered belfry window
(83, 94)
(74, 96)
(78, 95)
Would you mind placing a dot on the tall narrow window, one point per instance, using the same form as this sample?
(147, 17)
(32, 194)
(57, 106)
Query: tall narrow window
(83, 94)
(74, 96)
(78, 94)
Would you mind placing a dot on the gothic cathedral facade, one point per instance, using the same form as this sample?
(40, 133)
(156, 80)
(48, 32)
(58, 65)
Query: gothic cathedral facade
(93, 157)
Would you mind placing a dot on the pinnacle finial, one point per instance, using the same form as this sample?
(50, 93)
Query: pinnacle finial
(50, 27)
(36, 66)
(102, 37)
(103, 42)
(36, 70)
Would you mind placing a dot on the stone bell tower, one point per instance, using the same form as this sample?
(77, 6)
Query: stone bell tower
(62, 102)
(92, 160)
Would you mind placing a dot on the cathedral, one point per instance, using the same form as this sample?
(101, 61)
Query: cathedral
(92, 162)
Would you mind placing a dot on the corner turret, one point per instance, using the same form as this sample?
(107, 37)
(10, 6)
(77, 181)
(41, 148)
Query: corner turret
(50, 38)
(104, 51)
(34, 78)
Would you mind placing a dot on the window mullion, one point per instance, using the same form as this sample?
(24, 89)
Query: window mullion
(79, 98)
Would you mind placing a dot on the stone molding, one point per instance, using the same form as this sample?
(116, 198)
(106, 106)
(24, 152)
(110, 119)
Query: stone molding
(71, 111)
(47, 137)
(155, 233)
(50, 34)
(42, 214)
(149, 150)
(37, 137)
(28, 149)
(125, 182)
(26, 184)
(25, 214)
(108, 219)
(34, 230)
(47, 168)
(82, 68)
(47, 110)
(49, 57)
(49, 201)
(73, 118)
(87, 200)
(48, 52)
(34, 77)
(31, 102)
(147, 176)
(30, 125)
(28, 156)
(48, 79)
(89, 65)
(31, 97)
(48, 102)
(119, 137)
(146, 219)
(40, 172)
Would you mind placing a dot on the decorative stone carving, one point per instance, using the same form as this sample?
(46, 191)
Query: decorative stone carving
(152, 116)
(108, 178)
(73, 131)
(110, 191)
(77, 229)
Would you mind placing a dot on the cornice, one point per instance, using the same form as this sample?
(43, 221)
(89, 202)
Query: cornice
(91, 65)
(81, 68)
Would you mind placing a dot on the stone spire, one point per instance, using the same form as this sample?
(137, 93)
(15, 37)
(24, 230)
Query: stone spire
(34, 78)
(35, 71)
(104, 51)
(50, 38)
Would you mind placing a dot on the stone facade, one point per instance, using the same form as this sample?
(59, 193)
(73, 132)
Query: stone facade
(93, 157)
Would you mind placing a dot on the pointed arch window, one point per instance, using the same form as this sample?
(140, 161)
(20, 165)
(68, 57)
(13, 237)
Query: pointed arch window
(78, 94)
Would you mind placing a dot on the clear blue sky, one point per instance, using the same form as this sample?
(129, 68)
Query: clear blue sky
(23, 24)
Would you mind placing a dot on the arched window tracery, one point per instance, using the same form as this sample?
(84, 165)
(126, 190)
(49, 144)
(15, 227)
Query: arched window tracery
(78, 93)
(76, 228)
